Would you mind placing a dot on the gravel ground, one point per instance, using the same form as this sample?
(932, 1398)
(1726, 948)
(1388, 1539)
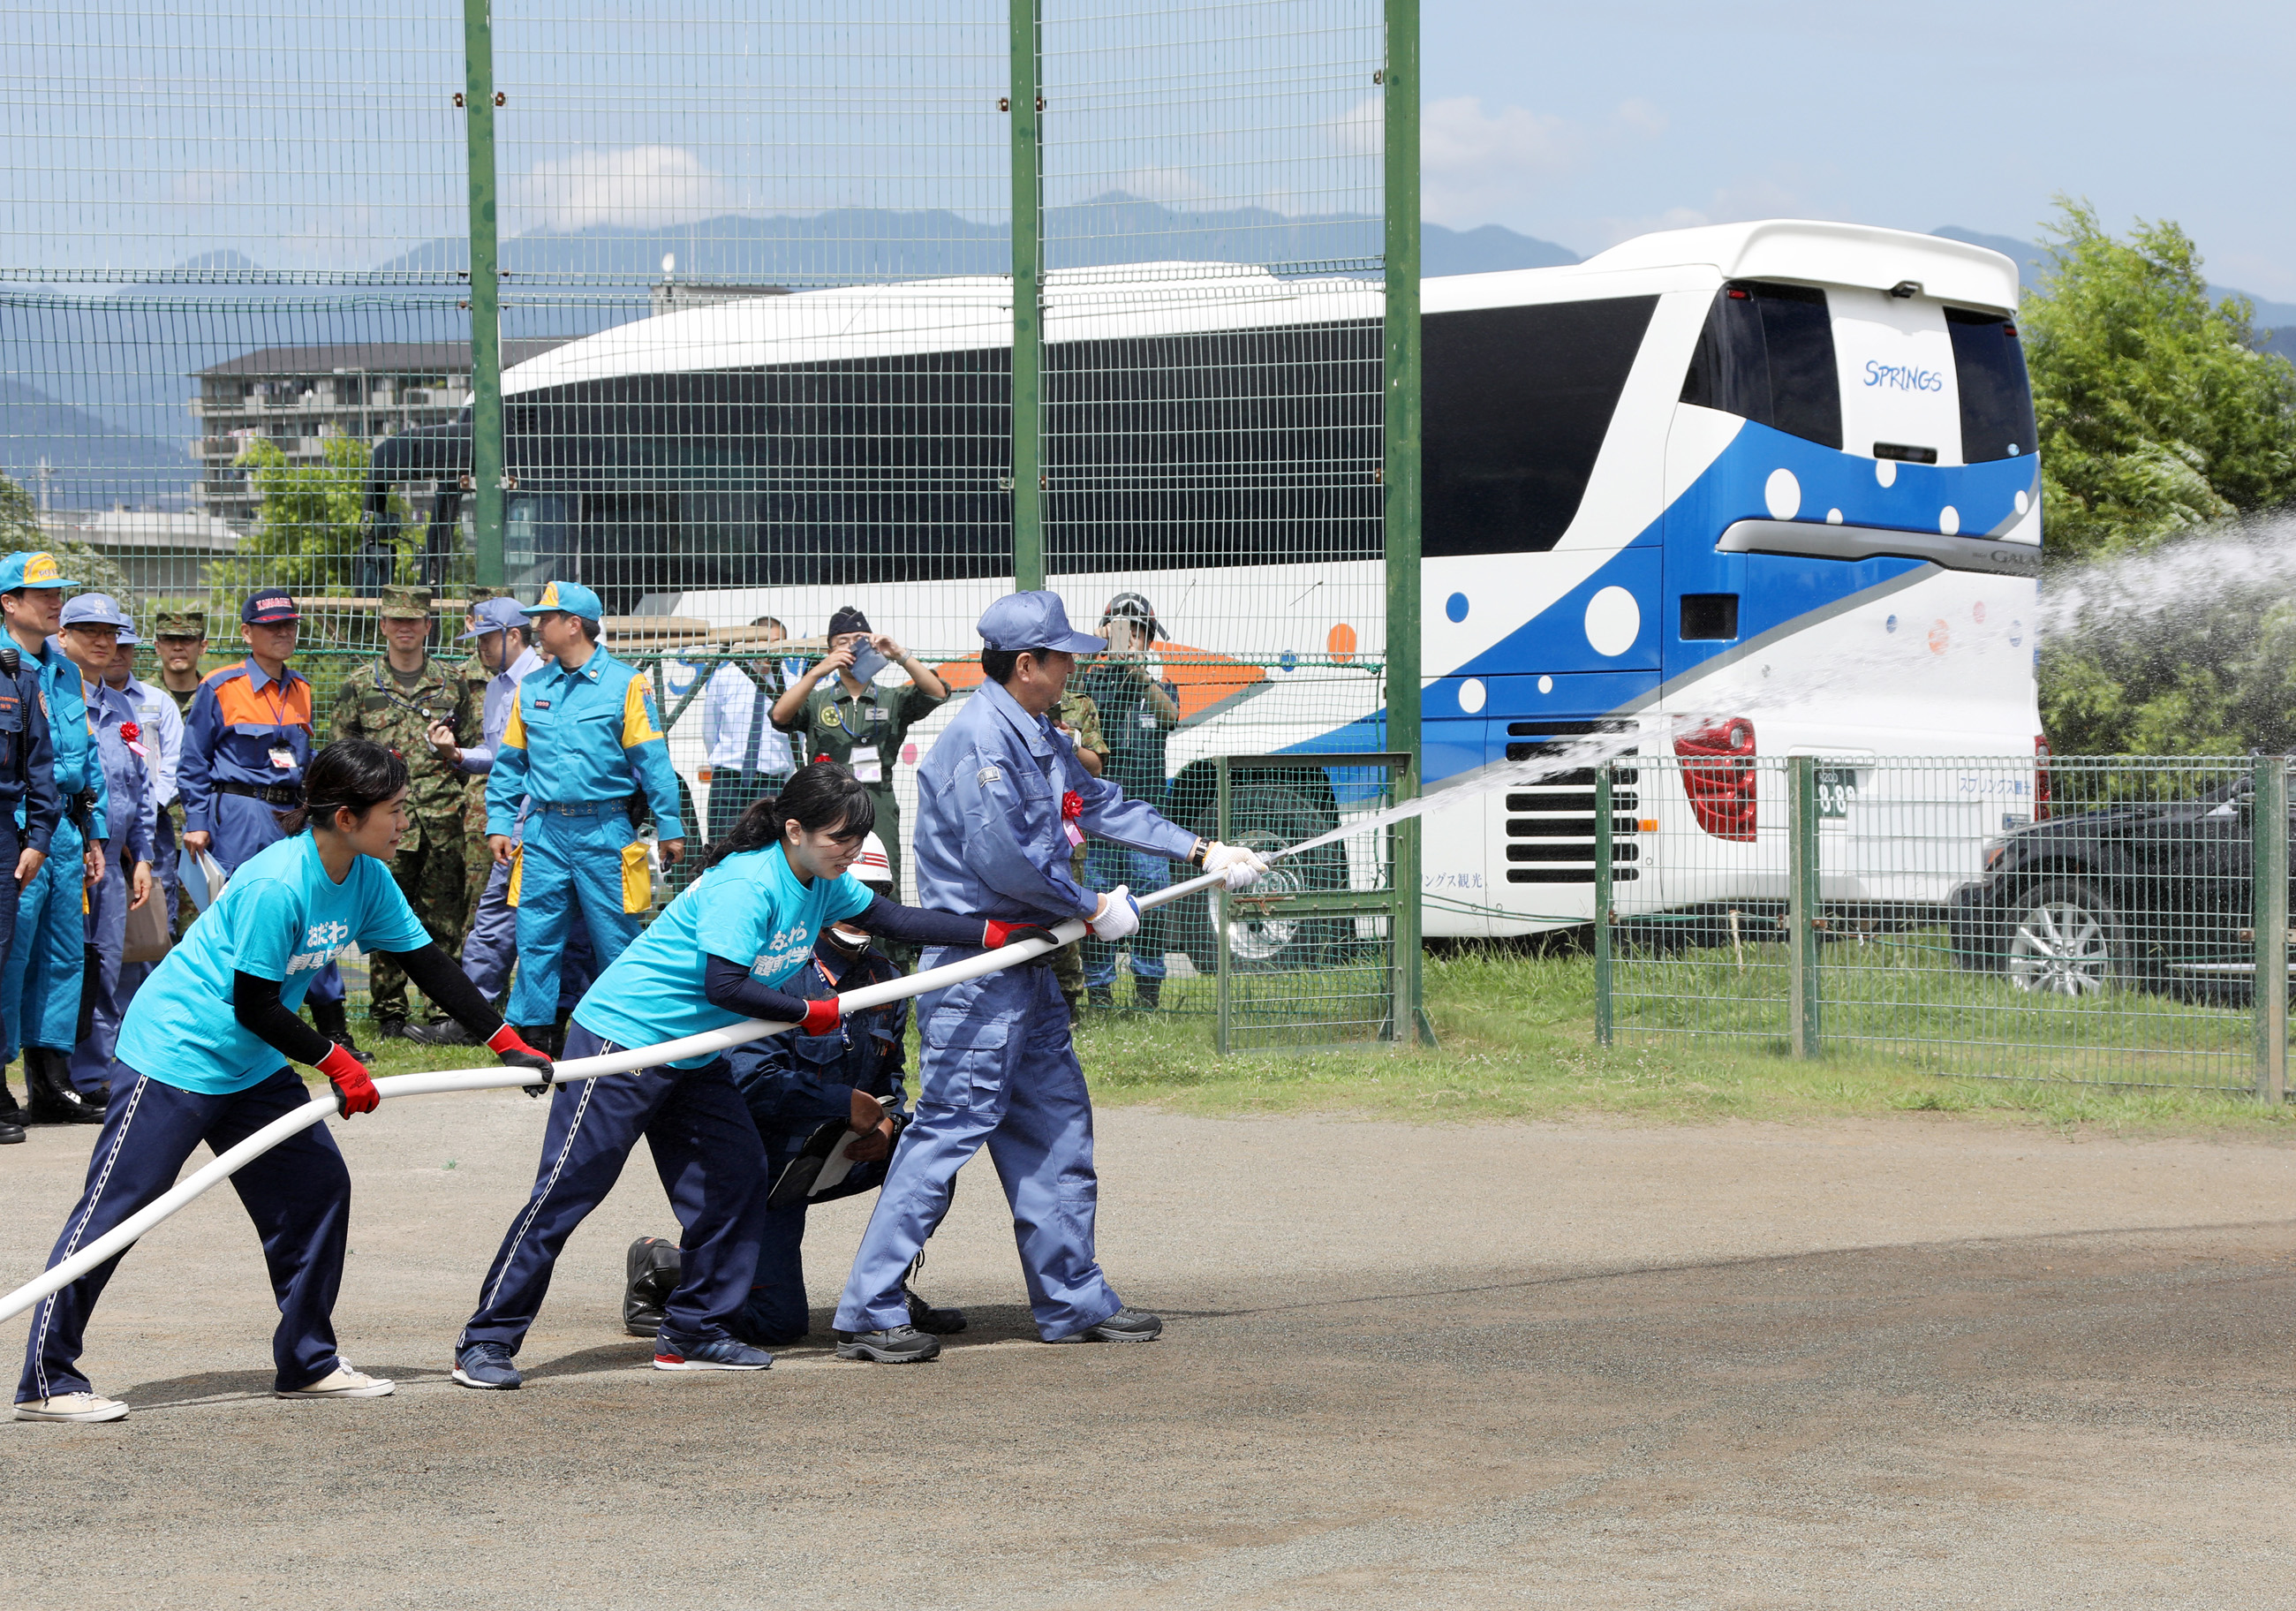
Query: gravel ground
(1913, 1362)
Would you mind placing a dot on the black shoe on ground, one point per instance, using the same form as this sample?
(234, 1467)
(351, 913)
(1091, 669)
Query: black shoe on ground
(446, 1033)
(1125, 1326)
(653, 1268)
(894, 1345)
(10, 1113)
(924, 1317)
(393, 1029)
(331, 1019)
(10, 1134)
(1101, 998)
(1147, 995)
(47, 1079)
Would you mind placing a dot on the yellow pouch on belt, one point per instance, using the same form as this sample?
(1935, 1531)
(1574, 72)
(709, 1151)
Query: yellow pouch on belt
(517, 866)
(638, 878)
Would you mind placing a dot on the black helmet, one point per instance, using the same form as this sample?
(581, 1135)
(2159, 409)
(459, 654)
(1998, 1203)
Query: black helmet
(1133, 606)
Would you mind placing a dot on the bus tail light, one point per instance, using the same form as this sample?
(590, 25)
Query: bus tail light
(2040, 777)
(1719, 776)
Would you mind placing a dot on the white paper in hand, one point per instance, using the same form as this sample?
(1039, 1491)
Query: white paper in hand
(835, 1167)
(203, 880)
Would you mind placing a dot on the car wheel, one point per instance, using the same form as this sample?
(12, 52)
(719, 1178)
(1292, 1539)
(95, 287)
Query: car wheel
(1268, 819)
(2065, 939)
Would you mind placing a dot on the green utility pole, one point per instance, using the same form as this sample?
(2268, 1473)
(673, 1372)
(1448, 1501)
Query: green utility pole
(1803, 905)
(1027, 106)
(2269, 820)
(1399, 479)
(1604, 879)
(485, 291)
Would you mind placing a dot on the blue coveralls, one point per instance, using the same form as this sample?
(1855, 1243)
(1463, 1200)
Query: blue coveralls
(998, 1066)
(163, 747)
(231, 787)
(490, 945)
(794, 1084)
(131, 823)
(29, 806)
(39, 989)
(577, 746)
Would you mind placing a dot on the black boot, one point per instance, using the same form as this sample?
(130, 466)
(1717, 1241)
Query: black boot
(1147, 994)
(1102, 998)
(333, 1020)
(10, 1113)
(653, 1268)
(47, 1079)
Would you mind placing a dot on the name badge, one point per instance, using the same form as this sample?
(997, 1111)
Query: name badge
(871, 770)
(283, 759)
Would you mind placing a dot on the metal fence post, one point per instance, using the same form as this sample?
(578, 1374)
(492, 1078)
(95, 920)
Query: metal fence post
(2269, 907)
(1802, 905)
(1603, 825)
(1399, 479)
(1218, 901)
(486, 466)
(1028, 296)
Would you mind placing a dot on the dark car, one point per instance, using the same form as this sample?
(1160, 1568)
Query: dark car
(2158, 894)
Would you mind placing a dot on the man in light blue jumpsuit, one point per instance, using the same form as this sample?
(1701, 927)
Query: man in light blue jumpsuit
(994, 819)
(582, 737)
(161, 735)
(92, 624)
(39, 991)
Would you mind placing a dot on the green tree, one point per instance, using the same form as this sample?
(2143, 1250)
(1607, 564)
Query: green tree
(306, 524)
(2160, 426)
(20, 532)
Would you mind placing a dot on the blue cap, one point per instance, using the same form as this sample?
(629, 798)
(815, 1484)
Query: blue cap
(573, 598)
(1034, 621)
(270, 607)
(493, 614)
(94, 610)
(127, 639)
(37, 569)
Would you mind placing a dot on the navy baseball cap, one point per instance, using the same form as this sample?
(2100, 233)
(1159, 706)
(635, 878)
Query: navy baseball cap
(270, 607)
(94, 610)
(571, 598)
(493, 614)
(1034, 621)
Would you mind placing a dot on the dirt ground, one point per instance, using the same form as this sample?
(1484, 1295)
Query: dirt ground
(1912, 1363)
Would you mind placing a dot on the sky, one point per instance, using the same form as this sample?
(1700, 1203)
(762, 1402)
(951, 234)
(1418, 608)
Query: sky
(1587, 124)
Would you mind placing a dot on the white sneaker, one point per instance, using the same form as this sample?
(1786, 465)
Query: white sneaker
(72, 1407)
(343, 1382)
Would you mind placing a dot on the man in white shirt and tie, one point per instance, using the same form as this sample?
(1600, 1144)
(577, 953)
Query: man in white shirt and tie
(748, 758)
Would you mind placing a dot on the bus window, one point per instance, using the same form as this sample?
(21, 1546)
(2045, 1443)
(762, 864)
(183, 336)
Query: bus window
(1997, 404)
(1767, 355)
(1518, 402)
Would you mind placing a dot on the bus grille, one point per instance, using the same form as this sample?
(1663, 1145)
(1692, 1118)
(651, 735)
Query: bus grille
(1556, 815)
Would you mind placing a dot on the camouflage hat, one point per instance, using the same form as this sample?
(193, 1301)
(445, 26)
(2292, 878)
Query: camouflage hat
(180, 624)
(405, 604)
(475, 597)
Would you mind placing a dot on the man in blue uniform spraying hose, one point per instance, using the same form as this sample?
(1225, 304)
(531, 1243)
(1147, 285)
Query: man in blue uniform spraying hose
(582, 737)
(1002, 802)
(39, 989)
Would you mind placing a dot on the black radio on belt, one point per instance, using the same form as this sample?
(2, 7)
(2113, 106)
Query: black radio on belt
(12, 661)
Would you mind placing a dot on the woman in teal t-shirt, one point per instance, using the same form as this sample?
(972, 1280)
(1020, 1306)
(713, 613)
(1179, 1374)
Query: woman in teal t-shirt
(716, 957)
(203, 1058)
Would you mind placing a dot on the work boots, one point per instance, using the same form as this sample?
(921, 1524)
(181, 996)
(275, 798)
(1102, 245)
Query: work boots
(1147, 994)
(48, 1081)
(333, 1020)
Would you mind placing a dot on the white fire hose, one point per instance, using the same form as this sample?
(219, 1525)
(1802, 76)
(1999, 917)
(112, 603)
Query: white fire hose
(124, 1234)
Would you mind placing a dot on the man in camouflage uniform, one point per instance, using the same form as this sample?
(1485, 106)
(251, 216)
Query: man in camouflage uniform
(397, 700)
(180, 643)
(476, 857)
(1078, 721)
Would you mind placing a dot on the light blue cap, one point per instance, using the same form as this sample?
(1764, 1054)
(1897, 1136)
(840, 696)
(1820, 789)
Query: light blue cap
(573, 598)
(1034, 621)
(94, 610)
(37, 569)
(127, 639)
(493, 614)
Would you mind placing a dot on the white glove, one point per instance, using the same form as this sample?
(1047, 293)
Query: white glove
(1119, 916)
(1240, 863)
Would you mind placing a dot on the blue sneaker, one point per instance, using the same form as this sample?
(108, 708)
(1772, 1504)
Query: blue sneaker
(718, 1354)
(486, 1364)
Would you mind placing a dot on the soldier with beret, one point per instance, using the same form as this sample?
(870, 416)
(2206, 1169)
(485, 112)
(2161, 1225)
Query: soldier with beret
(401, 701)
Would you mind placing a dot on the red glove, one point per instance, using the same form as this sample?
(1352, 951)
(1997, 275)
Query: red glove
(354, 1090)
(996, 933)
(511, 1046)
(822, 1017)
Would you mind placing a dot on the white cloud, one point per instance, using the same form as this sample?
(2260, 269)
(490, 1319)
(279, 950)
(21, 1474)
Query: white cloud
(1475, 164)
(635, 185)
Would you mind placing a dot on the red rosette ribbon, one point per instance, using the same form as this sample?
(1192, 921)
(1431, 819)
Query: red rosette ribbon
(1072, 806)
(129, 732)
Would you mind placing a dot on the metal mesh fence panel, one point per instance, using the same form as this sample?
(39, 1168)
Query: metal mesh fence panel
(2094, 921)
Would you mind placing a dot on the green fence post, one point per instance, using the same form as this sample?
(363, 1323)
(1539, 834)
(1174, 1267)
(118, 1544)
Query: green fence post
(1399, 479)
(2269, 906)
(487, 467)
(1028, 296)
(1218, 903)
(1802, 905)
(1603, 827)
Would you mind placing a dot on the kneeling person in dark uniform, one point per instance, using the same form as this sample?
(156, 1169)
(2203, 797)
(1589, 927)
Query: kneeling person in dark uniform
(794, 1084)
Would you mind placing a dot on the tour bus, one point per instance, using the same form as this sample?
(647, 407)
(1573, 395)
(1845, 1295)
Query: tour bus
(1713, 495)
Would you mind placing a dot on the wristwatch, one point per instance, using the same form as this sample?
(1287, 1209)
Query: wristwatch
(1203, 849)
